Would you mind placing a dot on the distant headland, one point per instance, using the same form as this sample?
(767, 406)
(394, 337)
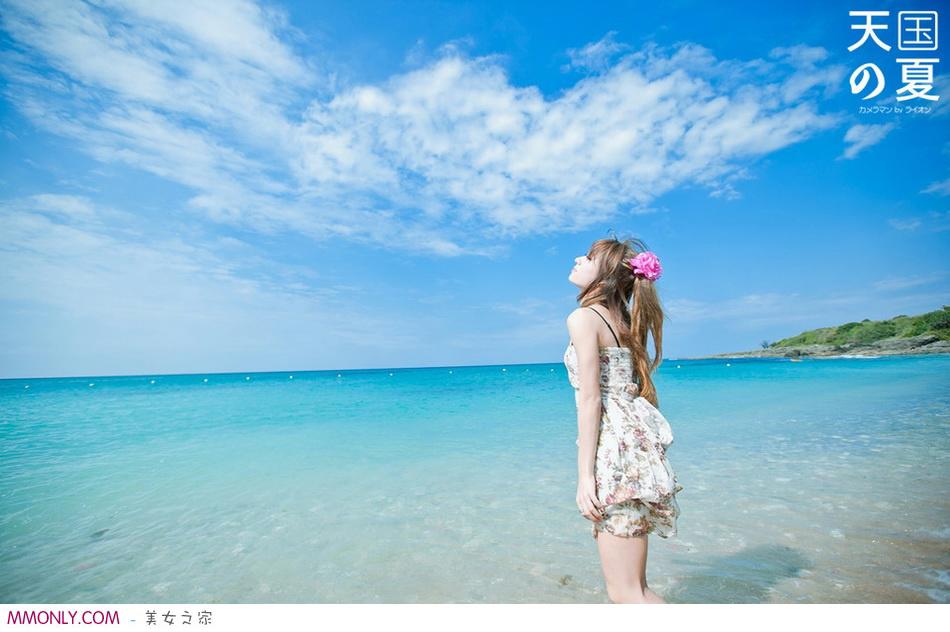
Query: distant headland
(902, 335)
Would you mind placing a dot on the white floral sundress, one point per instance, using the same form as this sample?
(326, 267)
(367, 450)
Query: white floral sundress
(634, 479)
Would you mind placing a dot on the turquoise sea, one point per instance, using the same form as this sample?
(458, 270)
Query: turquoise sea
(822, 481)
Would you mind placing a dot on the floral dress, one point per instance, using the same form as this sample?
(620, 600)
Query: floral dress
(634, 479)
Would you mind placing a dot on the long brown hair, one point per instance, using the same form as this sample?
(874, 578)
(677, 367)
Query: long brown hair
(633, 303)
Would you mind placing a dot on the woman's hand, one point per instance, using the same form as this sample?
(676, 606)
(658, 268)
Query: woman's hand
(587, 501)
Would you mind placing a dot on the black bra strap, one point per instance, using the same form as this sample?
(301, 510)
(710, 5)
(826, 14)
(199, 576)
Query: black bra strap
(606, 323)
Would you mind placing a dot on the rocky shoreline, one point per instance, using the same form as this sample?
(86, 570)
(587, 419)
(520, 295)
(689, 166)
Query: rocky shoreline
(924, 344)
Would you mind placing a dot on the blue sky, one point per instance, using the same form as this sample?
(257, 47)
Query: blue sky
(244, 186)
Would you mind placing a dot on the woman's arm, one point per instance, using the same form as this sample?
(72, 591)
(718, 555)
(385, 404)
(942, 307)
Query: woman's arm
(583, 331)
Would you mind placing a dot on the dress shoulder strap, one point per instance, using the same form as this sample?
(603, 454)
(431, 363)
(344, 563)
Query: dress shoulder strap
(606, 323)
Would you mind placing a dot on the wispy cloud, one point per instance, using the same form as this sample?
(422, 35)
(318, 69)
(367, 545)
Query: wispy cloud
(903, 282)
(86, 290)
(933, 222)
(811, 71)
(595, 55)
(940, 187)
(860, 137)
(905, 224)
(448, 159)
(750, 306)
(525, 307)
(792, 309)
(217, 62)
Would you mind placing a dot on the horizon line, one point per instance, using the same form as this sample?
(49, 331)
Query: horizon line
(293, 371)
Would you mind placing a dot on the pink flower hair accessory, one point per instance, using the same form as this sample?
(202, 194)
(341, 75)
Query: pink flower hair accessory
(646, 264)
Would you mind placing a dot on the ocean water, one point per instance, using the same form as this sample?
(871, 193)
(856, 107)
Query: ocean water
(822, 481)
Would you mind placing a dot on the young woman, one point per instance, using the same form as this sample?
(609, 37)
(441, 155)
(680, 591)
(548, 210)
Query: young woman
(626, 487)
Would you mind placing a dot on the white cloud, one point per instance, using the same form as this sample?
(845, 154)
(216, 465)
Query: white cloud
(86, 293)
(525, 307)
(940, 187)
(749, 306)
(933, 221)
(68, 205)
(900, 283)
(448, 159)
(465, 144)
(905, 224)
(218, 62)
(789, 309)
(809, 71)
(860, 137)
(239, 30)
(595, 55)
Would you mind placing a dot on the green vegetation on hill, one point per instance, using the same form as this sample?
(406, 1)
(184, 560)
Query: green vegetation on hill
(867, 331)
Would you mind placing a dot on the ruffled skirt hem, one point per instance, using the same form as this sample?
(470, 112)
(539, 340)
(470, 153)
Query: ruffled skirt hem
(636, 518)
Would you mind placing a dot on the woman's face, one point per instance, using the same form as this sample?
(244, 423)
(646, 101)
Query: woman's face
(584, 271)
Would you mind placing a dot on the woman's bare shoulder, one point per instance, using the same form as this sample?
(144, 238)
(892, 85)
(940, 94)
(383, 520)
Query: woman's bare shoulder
(580, 324)
(578, 315)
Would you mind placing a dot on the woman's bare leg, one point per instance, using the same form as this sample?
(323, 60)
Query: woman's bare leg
(624, 563)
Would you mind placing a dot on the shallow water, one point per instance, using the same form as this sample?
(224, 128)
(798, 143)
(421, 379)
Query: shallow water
(816, 482)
